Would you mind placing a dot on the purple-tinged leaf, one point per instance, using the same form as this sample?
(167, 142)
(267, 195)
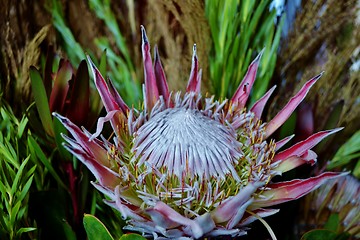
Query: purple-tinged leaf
(258, 107)
(292, 190)
(41, 100)
(193, 79)
(151, 90)
(283, 142)
(61, 87)
(242, 93)
(285, 113)
(78, 107)
(303, 146)
(160, 76)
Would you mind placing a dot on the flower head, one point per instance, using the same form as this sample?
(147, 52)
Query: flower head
(184, 165)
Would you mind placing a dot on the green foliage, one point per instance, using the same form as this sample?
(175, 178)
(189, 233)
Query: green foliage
(331, 231)
(132, 236)
(122, 70)
(95, 229)
(41, 100)
(72, 47)
(348, 152)
(240, 29)
(323, 234)
(333, 223)
(16, 176)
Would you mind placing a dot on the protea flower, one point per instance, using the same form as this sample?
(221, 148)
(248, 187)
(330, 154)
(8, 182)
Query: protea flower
(184, 165)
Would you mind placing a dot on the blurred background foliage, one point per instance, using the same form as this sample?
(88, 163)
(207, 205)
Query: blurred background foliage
(45, 192)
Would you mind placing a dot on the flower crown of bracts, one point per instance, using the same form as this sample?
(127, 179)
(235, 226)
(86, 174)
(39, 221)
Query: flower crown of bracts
(188, 166)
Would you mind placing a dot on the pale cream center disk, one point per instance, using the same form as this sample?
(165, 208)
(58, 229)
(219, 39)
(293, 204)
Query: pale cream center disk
(187, 143)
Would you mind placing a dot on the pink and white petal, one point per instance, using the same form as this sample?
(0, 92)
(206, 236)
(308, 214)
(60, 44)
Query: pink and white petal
(151, 90)
(91, 147)
(126, 211)
(285, 113)
(291, 190)
(104, 190)
(175, 217)
(301, 147)
(260, 213)
(225, 211)
(239, 214)
(242, 93)
(198, 85)
(100, 124)
(118, 99)
(160, 76)
(258, 107)
(104, 175)
(205, 222)
(220, 232)
(193, 79)
(295, 161)
(283, 142)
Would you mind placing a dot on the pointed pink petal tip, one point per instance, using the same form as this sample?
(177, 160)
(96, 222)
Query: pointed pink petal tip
(193, 84)
(229, 209)
(103, 89)
(285, 113)
(151, 89)
(242, 93)
(292, 190)
(144, 37)
(279, 144)
(258, 107)
(160, 76)
(303, 146)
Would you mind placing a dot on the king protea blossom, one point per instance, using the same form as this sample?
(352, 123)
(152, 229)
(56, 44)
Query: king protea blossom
(184, 165)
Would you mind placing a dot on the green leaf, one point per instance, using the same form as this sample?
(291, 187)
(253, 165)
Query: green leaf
(25, 230)
(73, 48)
(41, 100)
(95, 229)
(347, 152)
(22, 126)
(356, 171)
(319, 234)
(25, 189)
(35, 149)
(18, 176)
(333, 222)
(132, 236)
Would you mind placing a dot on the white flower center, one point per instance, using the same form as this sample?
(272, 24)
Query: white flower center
(187, 143)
